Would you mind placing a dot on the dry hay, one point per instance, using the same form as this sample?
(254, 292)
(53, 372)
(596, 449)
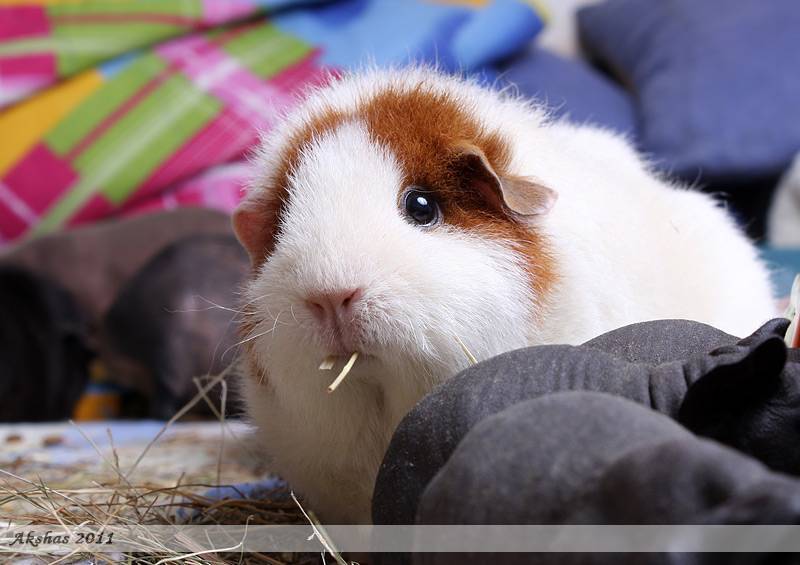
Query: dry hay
(42, 494)
(70, 496)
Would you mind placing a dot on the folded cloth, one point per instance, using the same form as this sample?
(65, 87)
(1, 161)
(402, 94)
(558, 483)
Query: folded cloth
(743, 393)
(592, 458)
(125, 132)
(715, 82)
(572, 89)
(42, 42)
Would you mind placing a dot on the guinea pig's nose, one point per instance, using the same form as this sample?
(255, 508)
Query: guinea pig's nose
(332, 305)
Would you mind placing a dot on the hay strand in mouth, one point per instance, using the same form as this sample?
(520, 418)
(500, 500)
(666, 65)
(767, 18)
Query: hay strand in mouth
(328, 363)
(467, 352)
(343, 373)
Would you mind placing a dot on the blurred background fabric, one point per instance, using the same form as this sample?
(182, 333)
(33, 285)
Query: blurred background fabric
(572, 89)
(47, 41)
(716, 82)
(119, 107)
(113, 108)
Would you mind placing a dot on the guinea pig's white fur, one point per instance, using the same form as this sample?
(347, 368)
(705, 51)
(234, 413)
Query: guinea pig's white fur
(627, 246)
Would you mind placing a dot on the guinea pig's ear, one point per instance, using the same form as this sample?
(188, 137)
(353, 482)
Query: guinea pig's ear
(518, 195)
(249, 224)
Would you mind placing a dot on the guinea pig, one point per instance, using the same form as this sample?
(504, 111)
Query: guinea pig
(93, 262)
(164, 330)
(44, 351)
(407, 216)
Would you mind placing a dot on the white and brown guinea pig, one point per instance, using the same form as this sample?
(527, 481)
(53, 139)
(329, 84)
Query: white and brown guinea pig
(398, 212)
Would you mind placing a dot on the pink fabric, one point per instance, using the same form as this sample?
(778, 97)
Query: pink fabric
(221, 188)
(251, 98)
(221, 11)
(28, 65)
(39, 168)
(15, 218)
(96, 208)
(225, 138)
(24, 73)
(23, 21)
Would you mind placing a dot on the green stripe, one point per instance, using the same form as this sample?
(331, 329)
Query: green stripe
(80, 45)
(102, 102)
(189, 8)
(216, 32)
(170, 116)
(266, 50)
(129, 152)
(99, 46)
(58, 214)
(119, 38)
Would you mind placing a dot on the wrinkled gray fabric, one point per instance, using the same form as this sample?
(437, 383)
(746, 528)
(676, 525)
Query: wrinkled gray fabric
(428, 435)
(661, 341)
(592, 458)
(750, 409)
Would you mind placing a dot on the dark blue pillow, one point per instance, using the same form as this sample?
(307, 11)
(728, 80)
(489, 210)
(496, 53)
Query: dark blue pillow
(717, 82)
(572, 89)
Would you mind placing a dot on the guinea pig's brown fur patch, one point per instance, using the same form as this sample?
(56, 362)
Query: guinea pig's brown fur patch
(270, 202)
(422, 129)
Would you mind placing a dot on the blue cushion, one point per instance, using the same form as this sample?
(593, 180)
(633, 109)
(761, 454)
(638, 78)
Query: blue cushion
(572, 89)
(717, 81)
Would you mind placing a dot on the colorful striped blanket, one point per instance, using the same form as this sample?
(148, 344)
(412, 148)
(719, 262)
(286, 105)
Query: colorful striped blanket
(114, 107)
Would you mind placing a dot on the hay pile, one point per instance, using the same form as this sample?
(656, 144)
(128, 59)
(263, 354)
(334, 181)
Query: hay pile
(121, 504)
(166, 482)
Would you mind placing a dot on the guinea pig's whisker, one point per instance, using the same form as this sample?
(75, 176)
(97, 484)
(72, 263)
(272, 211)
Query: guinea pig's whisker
(257, 298)
(215, 305)
(418, 336)
(239, 344)
(250, 337)
(187, 310)
(220, 340)
(277, 318)
(249, 310)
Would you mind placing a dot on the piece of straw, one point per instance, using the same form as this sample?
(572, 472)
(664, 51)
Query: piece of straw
(343, 374)
(328, 363)
(467, 352)
(793, 313)
(319, 532)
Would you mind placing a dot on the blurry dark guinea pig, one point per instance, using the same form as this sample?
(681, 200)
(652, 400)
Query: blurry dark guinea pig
(43, 351)
(93, 262)
(164, 329)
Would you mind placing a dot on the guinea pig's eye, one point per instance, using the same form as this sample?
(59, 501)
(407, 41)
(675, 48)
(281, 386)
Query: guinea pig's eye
(421, 207)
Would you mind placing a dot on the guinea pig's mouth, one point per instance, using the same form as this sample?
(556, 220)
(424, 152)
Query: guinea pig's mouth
(342, 340)
(339, 346)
